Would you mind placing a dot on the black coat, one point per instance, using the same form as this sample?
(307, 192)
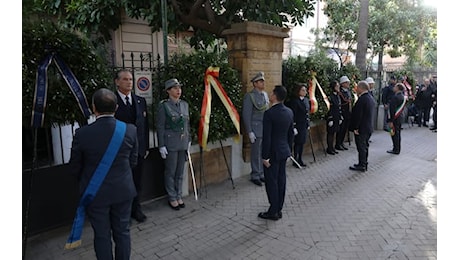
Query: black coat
(139, 119)
(334, 114)
(396, 107)
(278, 125)
(301, 110)
(362, 114)
(345, 103)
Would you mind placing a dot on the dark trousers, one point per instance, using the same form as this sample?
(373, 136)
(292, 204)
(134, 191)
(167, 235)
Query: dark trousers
(137, 178)
(330, 141)
(275, 185)
(343, 130)
(362, 145)
(435, 116)
(424, 115)
(111, 221)
(298, 151)
(396, 138)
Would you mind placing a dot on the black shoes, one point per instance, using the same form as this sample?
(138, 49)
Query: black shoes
(262, 179)
(392, 152)
(174, 207)
(357, 167)
(139, 216)
(265, 215)
(330, 152)
(341, 147)
(257, 182)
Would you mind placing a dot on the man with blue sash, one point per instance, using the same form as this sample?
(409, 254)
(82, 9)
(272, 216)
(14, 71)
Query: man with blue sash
(102, 156)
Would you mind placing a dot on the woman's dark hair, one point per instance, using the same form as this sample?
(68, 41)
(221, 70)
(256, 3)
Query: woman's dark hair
(297, 88)
(333, 84)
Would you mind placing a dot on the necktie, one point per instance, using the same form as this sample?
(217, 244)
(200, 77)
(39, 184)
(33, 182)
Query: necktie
(127, 101)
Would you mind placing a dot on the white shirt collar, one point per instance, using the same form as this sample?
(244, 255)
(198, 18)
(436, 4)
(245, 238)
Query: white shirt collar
(123, 97)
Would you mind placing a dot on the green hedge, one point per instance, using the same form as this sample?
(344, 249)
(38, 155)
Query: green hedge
(39, 38)
(190, 70)
(299, 70)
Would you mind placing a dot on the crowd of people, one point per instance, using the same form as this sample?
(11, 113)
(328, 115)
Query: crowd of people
(107, 156)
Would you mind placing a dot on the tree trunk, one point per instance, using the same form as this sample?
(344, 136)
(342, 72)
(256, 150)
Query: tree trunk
(361, 49)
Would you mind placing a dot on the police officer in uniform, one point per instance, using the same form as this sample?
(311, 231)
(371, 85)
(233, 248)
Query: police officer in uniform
(345, 108)
(173, 129)
(255, 103)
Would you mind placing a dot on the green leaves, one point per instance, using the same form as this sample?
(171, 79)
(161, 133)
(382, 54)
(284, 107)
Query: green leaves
(40, 38)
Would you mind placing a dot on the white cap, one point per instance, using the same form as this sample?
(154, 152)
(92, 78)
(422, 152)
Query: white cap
(343, 79)
(258, 76)
(370, 80)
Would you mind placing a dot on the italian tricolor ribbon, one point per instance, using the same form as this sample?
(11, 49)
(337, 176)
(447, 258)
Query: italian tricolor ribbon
(312, 84)
(210, 79)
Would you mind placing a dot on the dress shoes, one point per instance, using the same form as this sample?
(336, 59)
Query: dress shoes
(392, 152)
(337, 147)
(358, 168)
(139, 216)
(336, 152)
(181, 204)
(257, 182)
(330, 152)
(262, 179)
(265, 215)
(280, 215)
(343, 147)
(359, 165)
(177, 207)
(302, 164)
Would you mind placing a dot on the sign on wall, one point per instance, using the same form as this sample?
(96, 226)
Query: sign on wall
(143, 85)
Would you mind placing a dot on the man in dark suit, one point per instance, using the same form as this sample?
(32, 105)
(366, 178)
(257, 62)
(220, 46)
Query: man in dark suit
(109, 212)
(395, 110)
(132, 109)
(361, 124)
(278, 132)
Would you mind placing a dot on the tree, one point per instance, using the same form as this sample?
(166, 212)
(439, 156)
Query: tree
(340, 32)
(207, 18)
(395, 27)
(361, 48)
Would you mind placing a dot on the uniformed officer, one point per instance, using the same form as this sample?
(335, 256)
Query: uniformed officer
(255, 103)
(173, 129)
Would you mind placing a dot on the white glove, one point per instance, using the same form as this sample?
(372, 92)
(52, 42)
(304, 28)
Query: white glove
(340, 121)
(252, 137)
(295, 131)
(330, 123)
(163, 152)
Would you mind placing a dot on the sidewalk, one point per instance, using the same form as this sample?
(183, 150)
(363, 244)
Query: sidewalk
(330, 212)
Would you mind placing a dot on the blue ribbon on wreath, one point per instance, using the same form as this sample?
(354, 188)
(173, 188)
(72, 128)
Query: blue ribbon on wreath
(41, 88)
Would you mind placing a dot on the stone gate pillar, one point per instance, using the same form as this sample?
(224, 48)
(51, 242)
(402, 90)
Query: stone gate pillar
(254, 47)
